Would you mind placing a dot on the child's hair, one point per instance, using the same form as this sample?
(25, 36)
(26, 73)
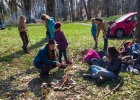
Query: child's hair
(98, 19)
(84, 51)
(92, 19)
(21, 16)
(112, 53)
(44, 17)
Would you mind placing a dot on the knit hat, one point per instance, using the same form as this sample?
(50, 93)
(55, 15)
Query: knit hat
(57, 25)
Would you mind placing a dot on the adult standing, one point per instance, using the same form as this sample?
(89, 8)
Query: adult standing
(23, 34)
(49, 23)
(104, 26)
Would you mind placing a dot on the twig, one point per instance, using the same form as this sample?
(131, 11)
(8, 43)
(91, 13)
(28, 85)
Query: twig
(114, 88)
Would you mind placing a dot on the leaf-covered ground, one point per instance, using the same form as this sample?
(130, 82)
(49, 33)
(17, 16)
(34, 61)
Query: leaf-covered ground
(19, 80)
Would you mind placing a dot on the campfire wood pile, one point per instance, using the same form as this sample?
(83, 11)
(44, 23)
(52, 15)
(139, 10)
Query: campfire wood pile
(63, 84)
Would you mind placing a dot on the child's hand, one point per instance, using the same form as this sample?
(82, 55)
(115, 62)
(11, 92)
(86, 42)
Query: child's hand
(58, 64)
(105, 58)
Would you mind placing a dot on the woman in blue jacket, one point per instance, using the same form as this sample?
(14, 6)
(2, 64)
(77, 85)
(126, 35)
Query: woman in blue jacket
(45, 59)
(49, 23)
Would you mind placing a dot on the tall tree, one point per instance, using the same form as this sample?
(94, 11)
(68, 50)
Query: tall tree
(137, 34)
(27, 6)
(72, 13)
(64, 10)
(3, 10)
(107, 7)
(89, 9)
(51, 8)
(85, 7)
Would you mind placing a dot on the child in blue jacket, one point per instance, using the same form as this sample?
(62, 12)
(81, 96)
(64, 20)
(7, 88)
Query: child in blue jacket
(94, 31)
(49, 23)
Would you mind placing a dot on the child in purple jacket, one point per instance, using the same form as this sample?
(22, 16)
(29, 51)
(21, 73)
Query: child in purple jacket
(62, 43)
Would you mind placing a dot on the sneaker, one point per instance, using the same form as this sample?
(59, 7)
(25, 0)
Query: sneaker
(69, 62)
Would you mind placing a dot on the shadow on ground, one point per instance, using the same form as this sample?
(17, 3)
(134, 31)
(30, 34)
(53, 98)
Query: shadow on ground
(35, 84)
(21, 52)
(7, 88)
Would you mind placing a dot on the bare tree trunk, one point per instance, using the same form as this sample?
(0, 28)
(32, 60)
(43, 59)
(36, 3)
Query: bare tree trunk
(57, 5)
(51, 8)
(107, 8)
(137, 34)
(81, 7)
(135, 6)
(72, 13)
(89, 9)
(85, 7)
(27, 6)
(64, 12)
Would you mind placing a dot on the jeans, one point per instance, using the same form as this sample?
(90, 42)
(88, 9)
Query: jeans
(102, 72)
(64, 52)
(94, 37)
(103, 63)
(94, 61)
(106, 40)
(48, 35)
(25, 40)
(45, 68)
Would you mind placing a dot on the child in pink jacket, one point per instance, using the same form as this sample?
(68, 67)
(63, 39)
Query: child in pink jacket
(91, 57)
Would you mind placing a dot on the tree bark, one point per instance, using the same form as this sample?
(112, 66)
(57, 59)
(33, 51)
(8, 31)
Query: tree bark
(137, 34)
(85, 7)
(64, 10)
(89, 9)
(27, 6)
(51, 8)
(72, 13)
(107, 8)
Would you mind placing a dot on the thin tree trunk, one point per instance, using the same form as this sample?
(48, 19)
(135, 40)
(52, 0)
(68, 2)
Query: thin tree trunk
(137, 35)
(51, 8)
(64, 10)
(135, 6)
(57, 5)
(81, 7)
(27, 5)
(107, 8)
(85, 7)
(89, 9)
(72, 13)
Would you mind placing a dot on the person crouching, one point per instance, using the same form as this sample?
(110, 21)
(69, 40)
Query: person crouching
(45, 59)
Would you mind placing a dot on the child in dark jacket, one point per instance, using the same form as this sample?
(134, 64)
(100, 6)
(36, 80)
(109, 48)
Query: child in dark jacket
(62, 43)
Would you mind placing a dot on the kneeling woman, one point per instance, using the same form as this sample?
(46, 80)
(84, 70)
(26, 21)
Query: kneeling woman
(45, 59)
(113, 68)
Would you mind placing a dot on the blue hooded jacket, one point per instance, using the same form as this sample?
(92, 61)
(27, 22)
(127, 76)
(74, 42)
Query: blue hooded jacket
(51, 24)
(94, 29)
